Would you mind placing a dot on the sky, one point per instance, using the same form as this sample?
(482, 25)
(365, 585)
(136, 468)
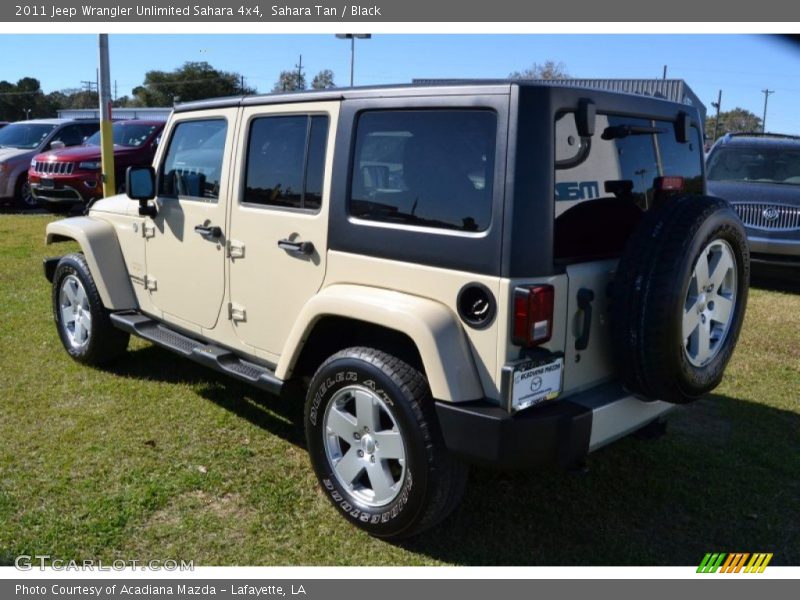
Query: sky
(740, 65)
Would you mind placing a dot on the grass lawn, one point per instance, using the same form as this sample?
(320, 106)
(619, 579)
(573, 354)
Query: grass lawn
(159, 458)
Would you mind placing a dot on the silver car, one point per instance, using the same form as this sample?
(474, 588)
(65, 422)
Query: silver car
(759, 174)
(21, 141)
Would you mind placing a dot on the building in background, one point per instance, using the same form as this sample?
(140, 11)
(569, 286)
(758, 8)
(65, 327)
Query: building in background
(118, 114)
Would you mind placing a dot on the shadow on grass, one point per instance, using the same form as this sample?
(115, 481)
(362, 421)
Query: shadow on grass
(725, 478)
(279, 415)
(775, 278)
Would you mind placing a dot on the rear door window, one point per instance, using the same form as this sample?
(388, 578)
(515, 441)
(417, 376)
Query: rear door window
(428, 168)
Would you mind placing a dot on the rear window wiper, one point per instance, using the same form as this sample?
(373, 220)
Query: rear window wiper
(616, 132)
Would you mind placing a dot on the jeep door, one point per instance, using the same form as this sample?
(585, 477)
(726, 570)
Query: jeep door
(185, 242)
(279, 219)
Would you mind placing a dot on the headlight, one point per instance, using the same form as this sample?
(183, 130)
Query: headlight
(33, 162)
(93, 165)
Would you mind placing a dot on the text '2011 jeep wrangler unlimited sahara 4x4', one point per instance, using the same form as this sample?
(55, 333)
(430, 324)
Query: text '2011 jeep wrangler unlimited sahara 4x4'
(509, 274)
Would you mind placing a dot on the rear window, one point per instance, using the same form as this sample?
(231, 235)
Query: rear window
(755, 164)
(430, 168)
(603, 185)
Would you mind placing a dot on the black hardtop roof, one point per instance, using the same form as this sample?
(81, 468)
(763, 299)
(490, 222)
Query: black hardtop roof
(461, 87)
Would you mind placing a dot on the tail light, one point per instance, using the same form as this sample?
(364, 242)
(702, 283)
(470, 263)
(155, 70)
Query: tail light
(668, 184)
(533, 315)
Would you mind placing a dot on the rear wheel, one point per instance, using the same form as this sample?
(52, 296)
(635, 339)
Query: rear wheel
(679, 298)
(375, 445)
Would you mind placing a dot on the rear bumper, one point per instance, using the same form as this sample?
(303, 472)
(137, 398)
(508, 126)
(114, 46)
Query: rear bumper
(562, 432)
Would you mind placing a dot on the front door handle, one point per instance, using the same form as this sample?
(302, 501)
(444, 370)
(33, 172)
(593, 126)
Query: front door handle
(211, 231)
(298, 248)
(585, 298)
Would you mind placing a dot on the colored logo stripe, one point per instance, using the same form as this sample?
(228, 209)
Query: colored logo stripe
(734, 562)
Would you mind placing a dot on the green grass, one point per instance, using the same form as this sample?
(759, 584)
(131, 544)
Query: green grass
(159, 458)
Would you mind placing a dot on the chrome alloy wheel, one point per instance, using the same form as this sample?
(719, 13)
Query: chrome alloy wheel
(710, 302)
(364, 445)
(76, 316)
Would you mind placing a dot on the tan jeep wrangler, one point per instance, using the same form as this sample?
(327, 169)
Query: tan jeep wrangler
(499, 273)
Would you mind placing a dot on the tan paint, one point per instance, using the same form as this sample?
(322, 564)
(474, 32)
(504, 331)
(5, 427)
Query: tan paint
(439, 338)
(98, 240)
(188, 269)
(437, 284)
(269, 284)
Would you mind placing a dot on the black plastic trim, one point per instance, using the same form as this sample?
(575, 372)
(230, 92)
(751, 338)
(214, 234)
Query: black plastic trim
(210, 355)
(492, 312)
(49, 264)
(552, 433)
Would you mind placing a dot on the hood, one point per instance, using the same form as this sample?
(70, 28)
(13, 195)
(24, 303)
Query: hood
(81, 153)
(745, 191)
(120, 204)
(9, 153)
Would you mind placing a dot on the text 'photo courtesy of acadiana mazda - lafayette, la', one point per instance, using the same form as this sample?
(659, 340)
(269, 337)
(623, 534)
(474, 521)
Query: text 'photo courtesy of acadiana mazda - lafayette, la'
(759, 174)
(507, 274)
(21, 141)
(61, 178)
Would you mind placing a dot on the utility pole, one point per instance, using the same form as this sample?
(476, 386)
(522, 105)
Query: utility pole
(717, 105)
(665, 72)
(300, 82)
(764, 120)
(115, 90)
(106, 133)
(241, 83)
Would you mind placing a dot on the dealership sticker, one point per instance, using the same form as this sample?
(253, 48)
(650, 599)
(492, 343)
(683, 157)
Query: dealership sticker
(536, 382)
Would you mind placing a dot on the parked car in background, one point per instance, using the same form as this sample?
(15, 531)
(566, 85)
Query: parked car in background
(21, 141)
(759, 174)
(62, 178)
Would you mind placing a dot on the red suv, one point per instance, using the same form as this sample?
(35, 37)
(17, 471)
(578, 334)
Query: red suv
(61, 178)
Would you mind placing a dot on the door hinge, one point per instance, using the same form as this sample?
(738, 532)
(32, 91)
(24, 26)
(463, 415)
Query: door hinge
(148, 230)
(235, 249)
(236, 312)
(150, 283)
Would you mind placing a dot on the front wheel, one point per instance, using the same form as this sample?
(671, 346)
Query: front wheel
(23, 197)
(375, 444)
(81, 319)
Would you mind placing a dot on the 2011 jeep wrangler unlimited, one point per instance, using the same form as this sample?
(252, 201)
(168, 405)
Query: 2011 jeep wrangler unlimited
(509, 274)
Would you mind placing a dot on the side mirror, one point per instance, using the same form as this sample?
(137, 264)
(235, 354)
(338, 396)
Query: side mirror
(585, 117)
(57, 145)
(140, 184)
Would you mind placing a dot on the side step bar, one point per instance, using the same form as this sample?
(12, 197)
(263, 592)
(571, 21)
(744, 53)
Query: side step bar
(209, 355)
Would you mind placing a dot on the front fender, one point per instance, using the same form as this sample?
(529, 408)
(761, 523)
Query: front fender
(100, 246)
(432, 326)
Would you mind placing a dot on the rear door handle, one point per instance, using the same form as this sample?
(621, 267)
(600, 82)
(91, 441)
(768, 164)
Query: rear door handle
(297, 248)
(211, 231)
(585, 298)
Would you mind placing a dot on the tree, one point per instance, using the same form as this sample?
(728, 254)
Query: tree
(192, 81)
(290, 81)
(733, 121)
(323, 80)
(550, 69)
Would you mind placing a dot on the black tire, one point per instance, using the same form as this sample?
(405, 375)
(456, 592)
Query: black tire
(433, 481)
(23, 199)
(651, 291)
(103, 343)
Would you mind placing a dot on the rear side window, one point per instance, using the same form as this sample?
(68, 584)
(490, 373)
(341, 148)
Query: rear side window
(192, 167)
(286, 161)
(604, 184)
(430, 168)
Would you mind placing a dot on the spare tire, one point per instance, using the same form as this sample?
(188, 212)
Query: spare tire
(679, 298)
